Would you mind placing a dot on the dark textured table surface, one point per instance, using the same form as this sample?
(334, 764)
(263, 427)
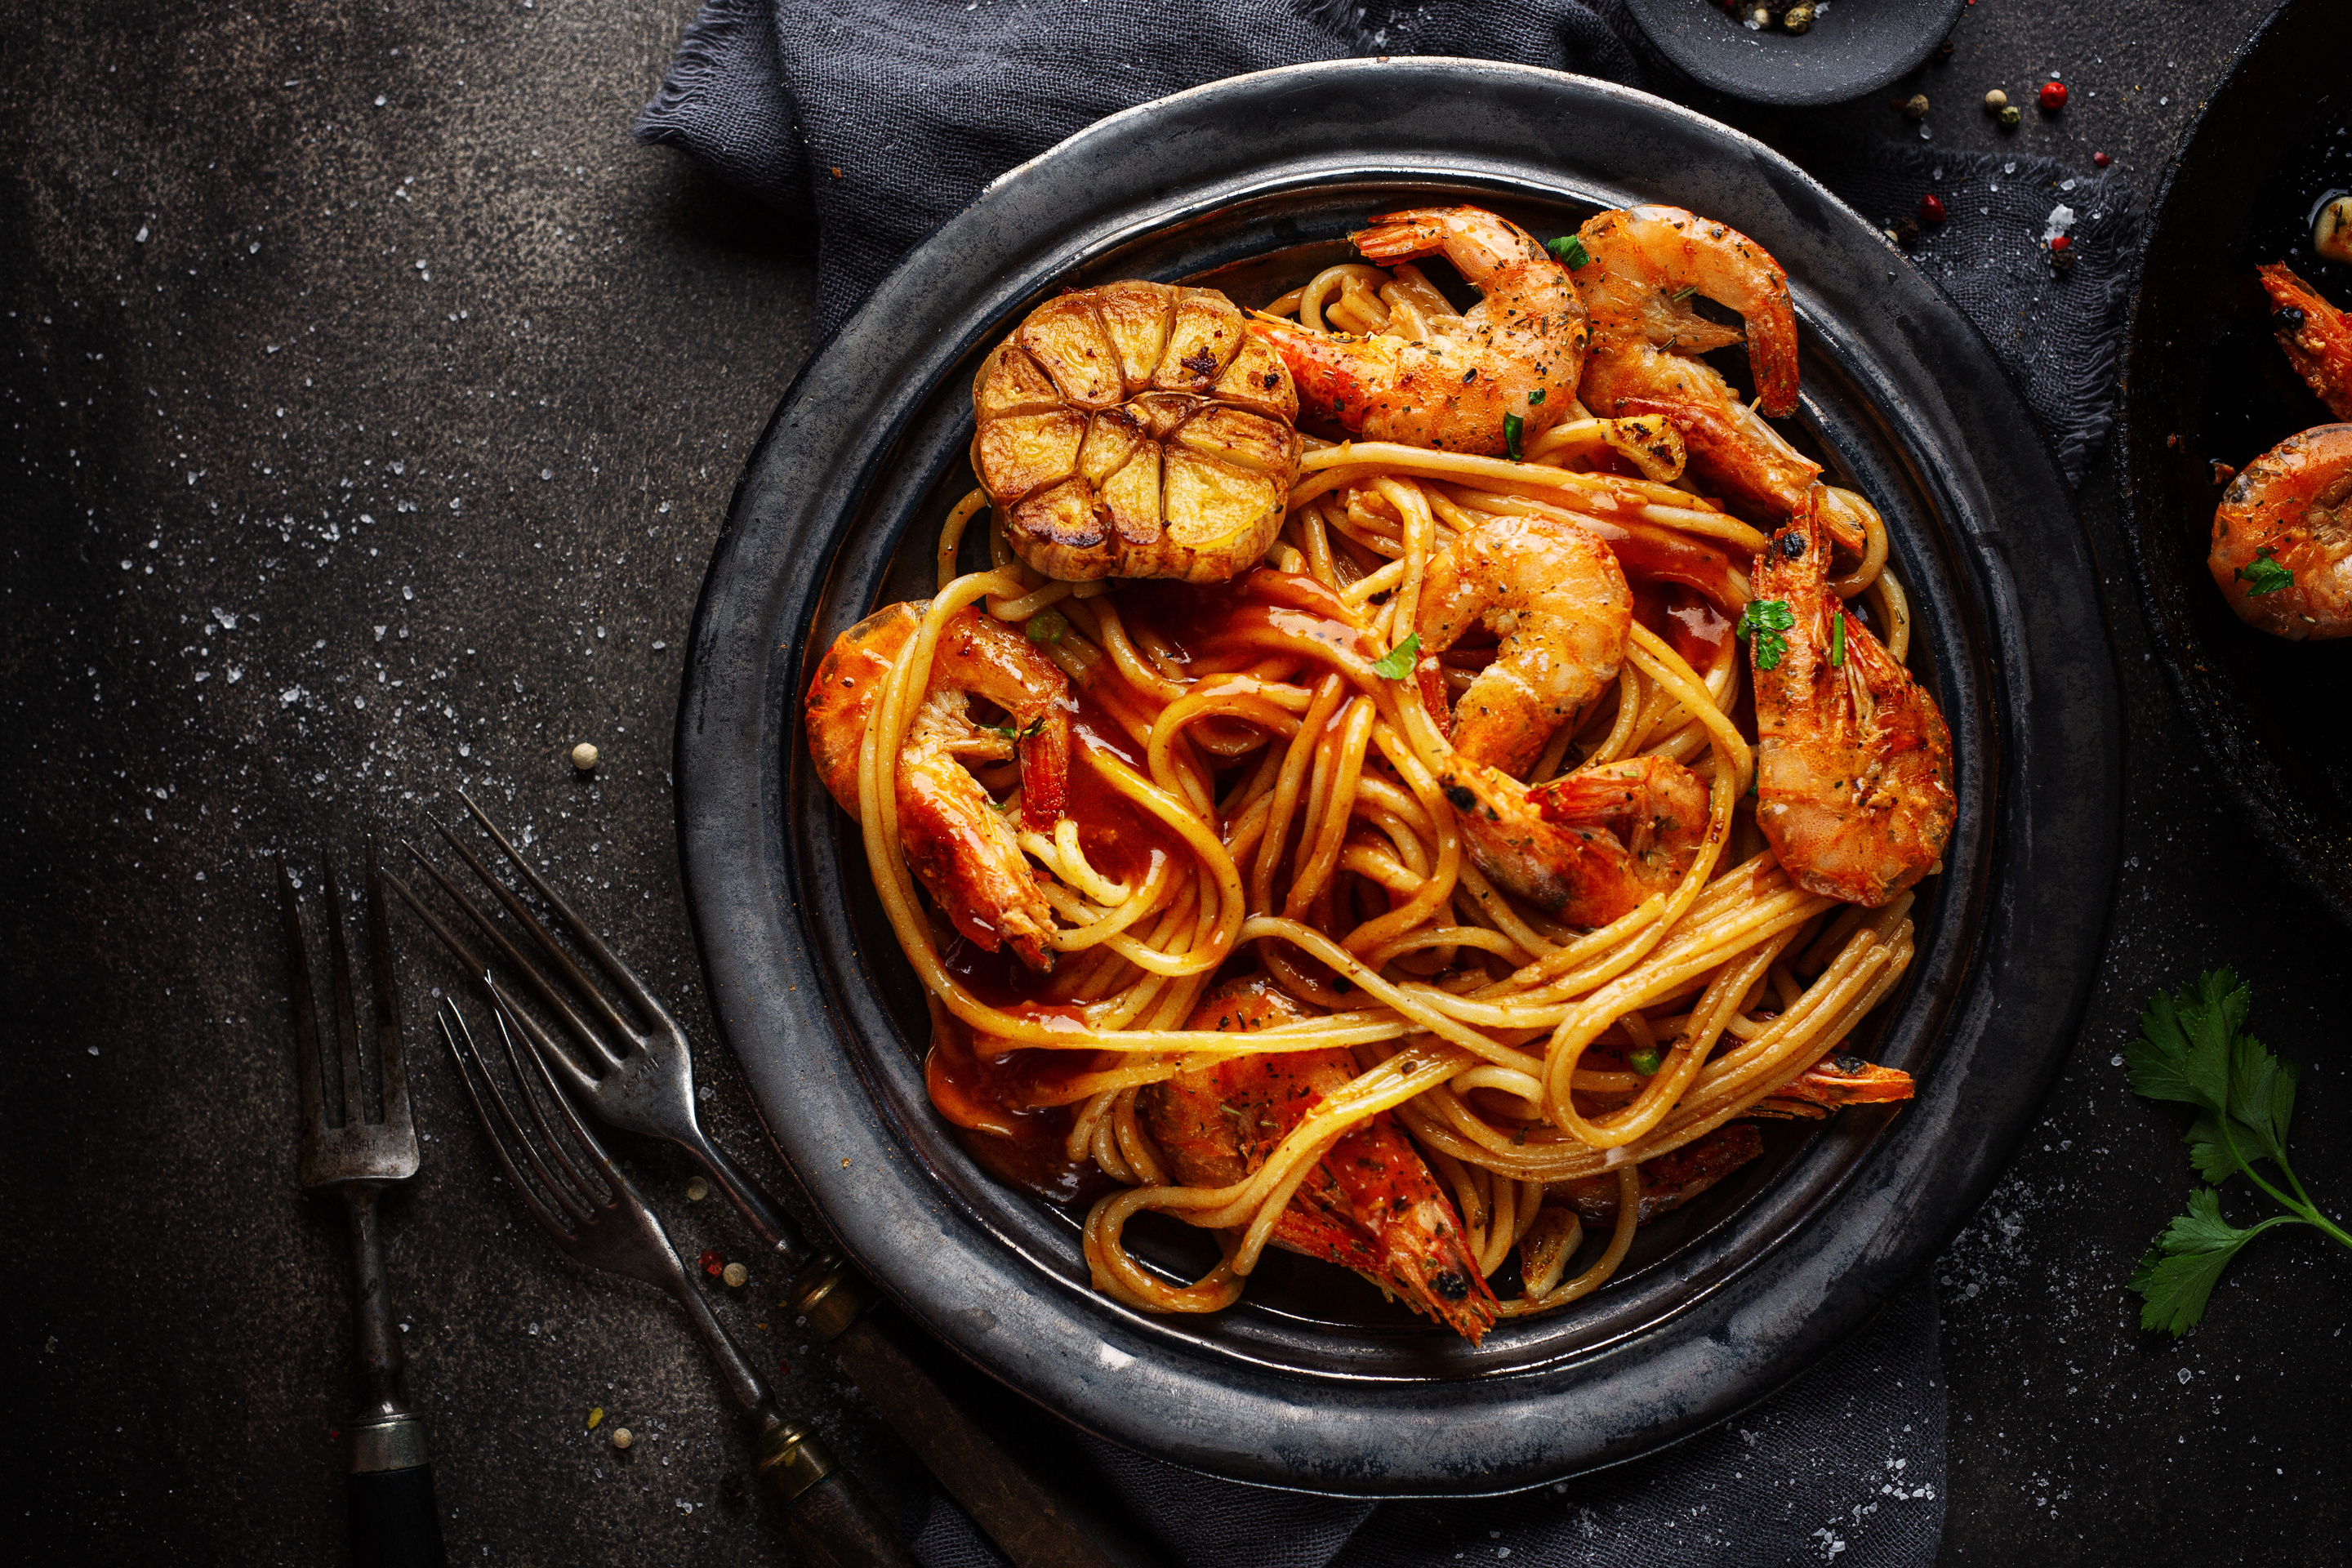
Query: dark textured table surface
(372, 404)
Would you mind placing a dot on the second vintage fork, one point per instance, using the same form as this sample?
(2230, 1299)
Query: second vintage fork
(647, 1087)
(389, 1489)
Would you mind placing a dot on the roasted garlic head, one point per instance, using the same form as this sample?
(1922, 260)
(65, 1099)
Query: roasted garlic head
(1136, 430)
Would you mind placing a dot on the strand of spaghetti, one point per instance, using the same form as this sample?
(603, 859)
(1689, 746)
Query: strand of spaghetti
(1873, 542)
(1420, 537)
(1311, 873)
(1029, 604)
(1686, 962)
(951, 533)
(1437, 892)
(1131, 664)
(1288, 786)
(1658, 661)
(1321, 472)
(1893, 606)
(1408, 1002)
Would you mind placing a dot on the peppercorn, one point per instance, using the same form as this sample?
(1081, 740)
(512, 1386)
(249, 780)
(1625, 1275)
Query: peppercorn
(1996, 100)
(2011, 118)
(622, 1437)
(2061, 253)
(583, 757)
(1944, 50)
(2100, 160)
(712, 1264)
(1931, 210)
(1916, 106)
(1799, 18)
(1905, 232)
(735, 1274)
(2053, 96)
(696, 1190)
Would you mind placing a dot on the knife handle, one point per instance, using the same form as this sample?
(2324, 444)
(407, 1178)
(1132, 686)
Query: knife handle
(828, 1518)
(395, 1522)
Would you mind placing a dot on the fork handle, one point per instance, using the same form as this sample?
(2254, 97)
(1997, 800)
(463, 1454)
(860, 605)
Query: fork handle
(828, 1518)
(395, 1522)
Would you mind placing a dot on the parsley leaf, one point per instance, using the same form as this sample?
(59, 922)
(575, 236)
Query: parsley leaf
(1763, 622)
(2193, 1049)
(1837, 642)
(1571, 252)
(2179, 1275)
(1397, 663)
(1016, 732)
(2265, 575)
(1512, 425)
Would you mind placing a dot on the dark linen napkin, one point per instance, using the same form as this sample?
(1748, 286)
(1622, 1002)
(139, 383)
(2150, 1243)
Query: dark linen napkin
(876, 123)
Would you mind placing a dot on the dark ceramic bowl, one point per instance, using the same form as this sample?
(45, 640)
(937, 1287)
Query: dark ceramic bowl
(1857, 48)
(2205, 382)
(1312, 1381)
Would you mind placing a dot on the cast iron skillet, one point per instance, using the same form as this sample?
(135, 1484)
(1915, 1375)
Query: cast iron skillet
(2204, 382)
(1310, 1384)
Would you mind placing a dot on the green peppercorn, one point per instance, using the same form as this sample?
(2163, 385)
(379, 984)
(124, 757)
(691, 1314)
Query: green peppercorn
(2012, 117)
(1799, 18)
(1916, 106)
(1047, 627)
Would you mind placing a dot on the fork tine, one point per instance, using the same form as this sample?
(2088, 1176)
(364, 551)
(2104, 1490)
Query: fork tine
(549, 1139)
(308, 1068)
(481, 1083)
(542, 1044)
(347, 1028)
(623, 975)
(580, 1029)
(539, 933)
(392, 1052)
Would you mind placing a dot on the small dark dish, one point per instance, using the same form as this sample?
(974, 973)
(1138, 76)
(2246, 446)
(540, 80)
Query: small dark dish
(1857, 48)
(2205, 382)
(1310, 1383)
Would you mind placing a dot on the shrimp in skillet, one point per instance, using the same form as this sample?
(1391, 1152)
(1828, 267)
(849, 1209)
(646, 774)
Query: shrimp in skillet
(2282, 538)
(2316, 336)
(1518, 352)
(1646, 263)
(1370, 1205)
(1854, 761)
(957, 841)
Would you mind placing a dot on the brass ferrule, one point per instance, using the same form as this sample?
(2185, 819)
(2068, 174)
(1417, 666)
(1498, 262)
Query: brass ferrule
(396, 1443)
(792, 1459)
(829, 1294)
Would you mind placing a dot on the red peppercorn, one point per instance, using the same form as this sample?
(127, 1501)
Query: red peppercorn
(783, 1369)
(1931, 210)
(2100, 160)
(2061, 242)
(2053, 95)
(712, 1264)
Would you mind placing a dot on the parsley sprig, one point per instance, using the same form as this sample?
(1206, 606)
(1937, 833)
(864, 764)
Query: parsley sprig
(1571, 252)
(2265, 575)
(2193, 1049)
(1763, 622)
(1397, 663)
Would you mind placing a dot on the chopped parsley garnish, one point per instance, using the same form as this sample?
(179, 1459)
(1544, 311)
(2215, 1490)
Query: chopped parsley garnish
(1017, 733)
(1397, 663)
(2265, 575)
(1684, 292)
(1512, 425)
(1646, 1060)
(1535, 396)
(1046, 626)
(1570, 250)
(2193, 1048)
(1837, 642)
(1763, 622)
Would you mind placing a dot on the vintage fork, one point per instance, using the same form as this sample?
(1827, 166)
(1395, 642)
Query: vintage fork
(389, 1486)
(597, 1216)
(647, 1087)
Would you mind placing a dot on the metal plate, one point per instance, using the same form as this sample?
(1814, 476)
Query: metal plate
(1860, 46)
(1309, 1384)
(2204, 382)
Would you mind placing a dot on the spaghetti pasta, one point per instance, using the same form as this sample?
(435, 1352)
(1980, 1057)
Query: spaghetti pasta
(1270, 864)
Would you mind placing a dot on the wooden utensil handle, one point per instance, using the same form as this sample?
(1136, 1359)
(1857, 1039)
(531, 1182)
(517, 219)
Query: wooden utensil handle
(833, 1524)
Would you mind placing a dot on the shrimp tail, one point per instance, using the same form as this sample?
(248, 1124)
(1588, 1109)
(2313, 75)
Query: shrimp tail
(1403, 236)
(1754, 478)
(1338, 377)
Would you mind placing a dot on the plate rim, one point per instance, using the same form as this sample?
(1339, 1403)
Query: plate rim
(727, 705)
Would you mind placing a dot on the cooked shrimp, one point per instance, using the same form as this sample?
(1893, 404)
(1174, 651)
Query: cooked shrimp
(1833, 1082)
(1370, 1205)
(1517, 352)
(1556, 594)
(1669, 1181)
(1854, 763)
(2282, 537)
(2316, 336)
(1589, 847)
(957, 841)
(1645, 264)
